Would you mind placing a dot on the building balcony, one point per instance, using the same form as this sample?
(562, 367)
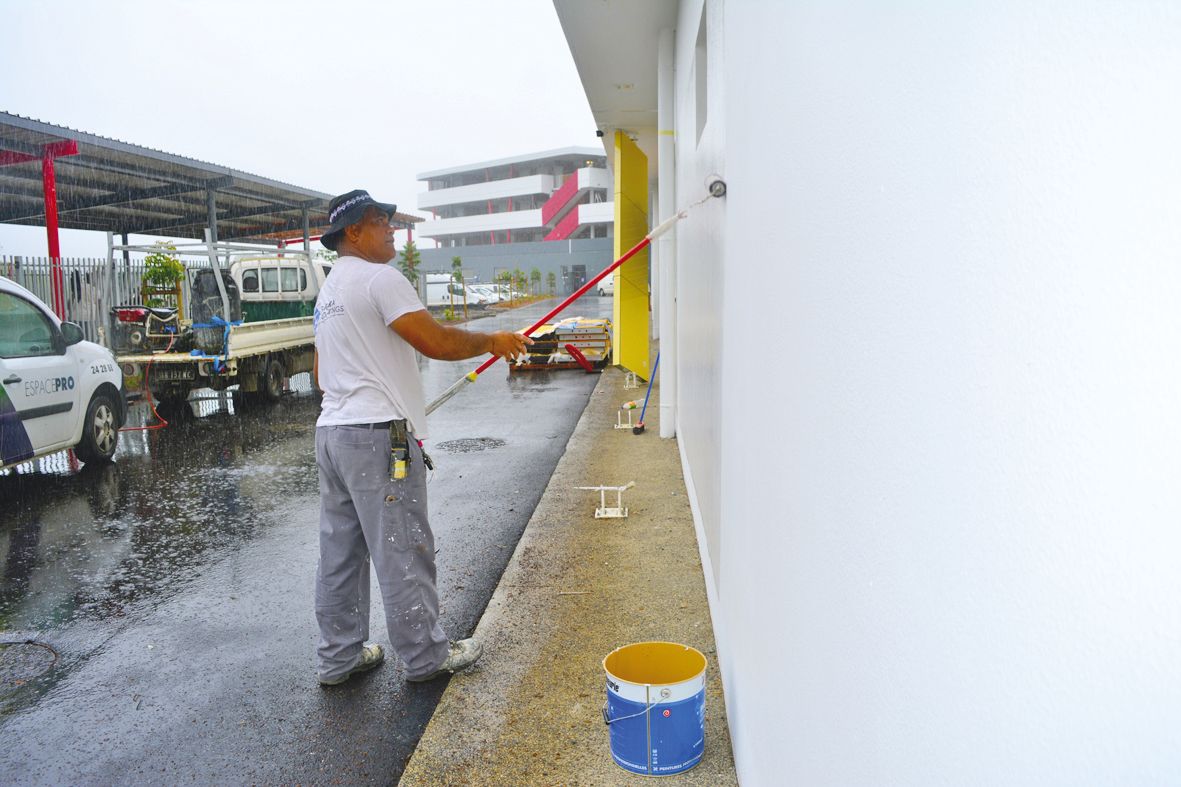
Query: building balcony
(578, 222)
(596, 213)
(485, 222)
(482, 192)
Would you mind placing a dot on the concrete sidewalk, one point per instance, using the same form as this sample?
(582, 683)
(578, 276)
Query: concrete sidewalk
(577, 588)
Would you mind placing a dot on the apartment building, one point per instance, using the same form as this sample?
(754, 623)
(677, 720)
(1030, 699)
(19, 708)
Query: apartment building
(558, 194)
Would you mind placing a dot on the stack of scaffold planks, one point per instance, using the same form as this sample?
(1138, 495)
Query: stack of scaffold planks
(574, 343)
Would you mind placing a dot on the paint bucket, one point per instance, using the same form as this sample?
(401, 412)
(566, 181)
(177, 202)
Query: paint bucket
(655, 707)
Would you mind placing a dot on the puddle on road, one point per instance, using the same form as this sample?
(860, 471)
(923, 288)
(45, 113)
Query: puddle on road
(23, 661)
(469, 445)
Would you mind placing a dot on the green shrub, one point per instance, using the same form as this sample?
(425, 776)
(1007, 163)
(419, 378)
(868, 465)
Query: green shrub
(162, 268)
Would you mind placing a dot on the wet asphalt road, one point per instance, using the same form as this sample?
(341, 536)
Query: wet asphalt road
(168, 597)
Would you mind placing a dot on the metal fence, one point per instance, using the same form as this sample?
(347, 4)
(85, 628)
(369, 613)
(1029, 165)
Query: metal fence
(92, 286)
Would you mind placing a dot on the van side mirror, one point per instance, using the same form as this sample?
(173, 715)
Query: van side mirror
(72, 333)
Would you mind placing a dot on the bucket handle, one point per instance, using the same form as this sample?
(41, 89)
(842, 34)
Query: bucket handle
(608, 720)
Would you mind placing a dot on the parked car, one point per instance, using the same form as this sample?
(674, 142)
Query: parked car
(607, 285)
(57, 390)
(442, 290)
(486, 293)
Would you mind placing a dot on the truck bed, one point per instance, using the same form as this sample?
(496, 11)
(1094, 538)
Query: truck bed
(250, 338)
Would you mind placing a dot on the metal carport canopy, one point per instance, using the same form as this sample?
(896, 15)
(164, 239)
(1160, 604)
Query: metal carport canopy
(114, 186)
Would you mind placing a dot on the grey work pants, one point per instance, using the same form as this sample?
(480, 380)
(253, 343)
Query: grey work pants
(363, 514)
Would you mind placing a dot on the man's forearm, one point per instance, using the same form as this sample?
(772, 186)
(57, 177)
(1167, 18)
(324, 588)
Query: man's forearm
(458, 344)
(429, 337)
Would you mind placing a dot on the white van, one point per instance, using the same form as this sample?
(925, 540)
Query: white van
(57, 390)
(607, 285)
(442, 290)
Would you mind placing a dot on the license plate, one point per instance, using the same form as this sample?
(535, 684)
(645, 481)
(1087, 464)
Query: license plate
(180, 373)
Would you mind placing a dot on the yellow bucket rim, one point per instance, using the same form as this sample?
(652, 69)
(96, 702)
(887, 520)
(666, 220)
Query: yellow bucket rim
(679, 645)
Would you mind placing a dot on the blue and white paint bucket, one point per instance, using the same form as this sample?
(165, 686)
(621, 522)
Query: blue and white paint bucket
(655, 707)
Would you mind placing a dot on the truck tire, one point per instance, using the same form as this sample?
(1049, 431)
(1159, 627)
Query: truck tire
(271, 383)
(100, 431)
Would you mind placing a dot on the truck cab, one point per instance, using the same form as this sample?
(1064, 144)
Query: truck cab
(277, 287)
(57, 390)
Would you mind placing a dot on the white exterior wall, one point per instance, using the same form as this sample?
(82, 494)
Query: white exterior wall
(937, 475)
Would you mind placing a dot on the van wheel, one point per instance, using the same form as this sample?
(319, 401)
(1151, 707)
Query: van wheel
(100, 431)
(601, 293)
(271, 384)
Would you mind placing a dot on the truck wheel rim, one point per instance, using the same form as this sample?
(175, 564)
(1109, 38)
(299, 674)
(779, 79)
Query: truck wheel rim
(104, 429)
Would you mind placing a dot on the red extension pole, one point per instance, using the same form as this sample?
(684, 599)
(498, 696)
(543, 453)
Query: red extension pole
(577, 294)
(656, 232)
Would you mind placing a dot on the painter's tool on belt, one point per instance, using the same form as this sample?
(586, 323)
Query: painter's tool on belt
(426, 458)
(399, 450)
(716, 189)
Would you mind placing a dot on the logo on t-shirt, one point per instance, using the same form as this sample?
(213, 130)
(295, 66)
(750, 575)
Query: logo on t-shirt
(326, 310)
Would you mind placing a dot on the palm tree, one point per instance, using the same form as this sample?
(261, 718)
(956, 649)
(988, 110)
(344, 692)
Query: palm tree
(519, 280)
(505, 279)
(409, 262)
(457, 276)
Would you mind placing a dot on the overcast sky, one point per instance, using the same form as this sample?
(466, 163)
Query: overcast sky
(327, 95)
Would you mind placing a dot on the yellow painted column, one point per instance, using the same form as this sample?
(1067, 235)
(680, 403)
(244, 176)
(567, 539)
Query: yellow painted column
(630, 329)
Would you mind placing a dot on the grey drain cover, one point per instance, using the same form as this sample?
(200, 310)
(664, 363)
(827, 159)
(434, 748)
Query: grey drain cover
(468, 445)
(23, 661)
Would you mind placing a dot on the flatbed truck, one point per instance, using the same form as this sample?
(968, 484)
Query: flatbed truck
(216, 348)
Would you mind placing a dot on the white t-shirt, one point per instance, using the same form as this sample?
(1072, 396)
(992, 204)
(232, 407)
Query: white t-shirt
(368, 373)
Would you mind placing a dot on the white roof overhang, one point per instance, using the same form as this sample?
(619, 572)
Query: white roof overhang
(614, 44)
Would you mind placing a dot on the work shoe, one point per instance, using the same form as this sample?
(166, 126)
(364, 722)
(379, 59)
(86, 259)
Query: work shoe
(461, 655)
(371, 656)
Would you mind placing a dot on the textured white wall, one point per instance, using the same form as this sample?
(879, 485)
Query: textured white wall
(701, 274)
(939, 472)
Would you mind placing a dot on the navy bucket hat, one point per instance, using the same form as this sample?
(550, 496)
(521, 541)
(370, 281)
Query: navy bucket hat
(348, 209)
